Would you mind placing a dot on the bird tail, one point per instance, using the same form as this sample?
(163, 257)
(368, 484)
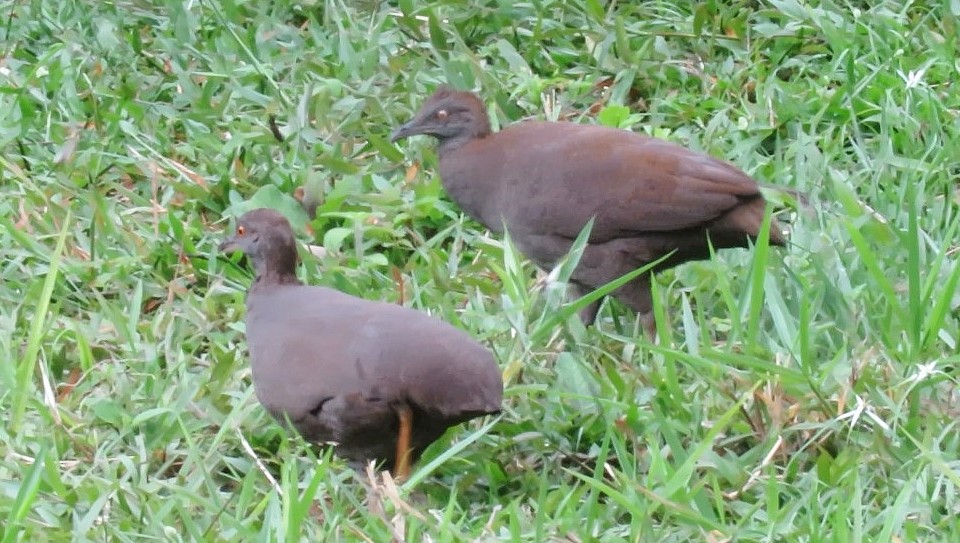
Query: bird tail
(747, 218)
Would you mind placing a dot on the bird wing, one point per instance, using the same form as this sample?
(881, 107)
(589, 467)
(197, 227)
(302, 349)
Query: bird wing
(630, 183)
(435, 365)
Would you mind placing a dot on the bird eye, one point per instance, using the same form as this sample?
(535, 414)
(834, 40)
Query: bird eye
(442, 115)
(241, 230)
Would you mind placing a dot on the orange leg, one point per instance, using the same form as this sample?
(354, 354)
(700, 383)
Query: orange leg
(402, 468)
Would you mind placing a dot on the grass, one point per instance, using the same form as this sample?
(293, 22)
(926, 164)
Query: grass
(807, 394)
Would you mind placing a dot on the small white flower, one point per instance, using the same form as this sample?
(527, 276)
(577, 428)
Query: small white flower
(914, 78)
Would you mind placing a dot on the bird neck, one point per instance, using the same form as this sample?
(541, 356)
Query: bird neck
(448, 145)
(274, 272)
(465, 135)
(272, 280)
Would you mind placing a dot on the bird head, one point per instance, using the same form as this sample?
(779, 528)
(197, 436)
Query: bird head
(448, 115)
(265, 236)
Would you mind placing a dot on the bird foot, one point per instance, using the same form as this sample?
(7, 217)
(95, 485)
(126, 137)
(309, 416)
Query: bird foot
(649, 324)
(401, 469)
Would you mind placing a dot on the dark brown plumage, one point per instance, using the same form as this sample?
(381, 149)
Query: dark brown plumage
(375, 378)
(545, 180)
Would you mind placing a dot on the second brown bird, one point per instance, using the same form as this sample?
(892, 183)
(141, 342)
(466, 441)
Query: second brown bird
(381, 381)
(545, 180)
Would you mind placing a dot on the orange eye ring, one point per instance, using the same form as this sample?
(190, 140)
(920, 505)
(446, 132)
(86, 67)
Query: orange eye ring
(442, 114)
(241, 230)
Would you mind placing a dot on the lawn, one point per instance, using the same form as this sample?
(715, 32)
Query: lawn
(802, 394)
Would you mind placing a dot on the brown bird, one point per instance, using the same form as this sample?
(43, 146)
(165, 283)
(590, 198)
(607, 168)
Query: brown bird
(379, 380)
(545, 180)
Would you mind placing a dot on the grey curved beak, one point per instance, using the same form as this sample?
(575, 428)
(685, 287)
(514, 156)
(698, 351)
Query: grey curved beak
(403, 131)
(228, 246)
